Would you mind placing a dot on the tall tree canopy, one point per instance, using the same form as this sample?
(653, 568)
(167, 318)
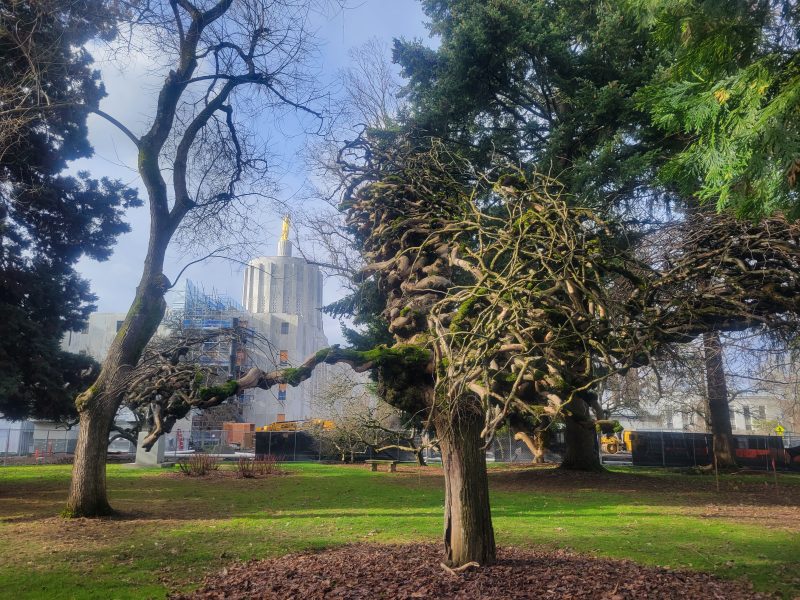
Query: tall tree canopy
(501, 296)
(623, 111)
(48, 220)
(548, 84)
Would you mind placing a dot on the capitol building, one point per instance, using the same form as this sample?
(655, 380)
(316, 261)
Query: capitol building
(282, 300)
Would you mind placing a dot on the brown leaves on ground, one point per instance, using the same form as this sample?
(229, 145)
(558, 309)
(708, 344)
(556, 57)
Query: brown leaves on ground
(361, 572)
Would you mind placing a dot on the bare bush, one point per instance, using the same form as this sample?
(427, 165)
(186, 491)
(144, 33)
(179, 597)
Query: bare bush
(260, 466)
(199, 465)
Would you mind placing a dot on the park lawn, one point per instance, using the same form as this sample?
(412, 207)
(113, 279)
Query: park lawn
(173, 530)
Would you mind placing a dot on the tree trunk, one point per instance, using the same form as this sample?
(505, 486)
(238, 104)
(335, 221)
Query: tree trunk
(98, 405)
(468, 532)
(539, 445)
(581, 439)
(718, 408)
(87, 497)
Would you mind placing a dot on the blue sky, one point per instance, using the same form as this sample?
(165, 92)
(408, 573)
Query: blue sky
(131, 93)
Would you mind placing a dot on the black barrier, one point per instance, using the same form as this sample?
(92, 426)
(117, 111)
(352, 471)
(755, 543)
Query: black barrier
(678, 449)
(302, 446)
(288, 445)
(670, 449)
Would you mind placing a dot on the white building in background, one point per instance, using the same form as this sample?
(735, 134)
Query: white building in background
(95, 339)
(751, 414)
(282, 296)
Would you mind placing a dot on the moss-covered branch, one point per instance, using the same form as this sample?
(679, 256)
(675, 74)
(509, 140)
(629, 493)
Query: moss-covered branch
(399, 358)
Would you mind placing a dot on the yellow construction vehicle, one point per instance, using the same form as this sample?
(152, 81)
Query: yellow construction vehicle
(611, 444)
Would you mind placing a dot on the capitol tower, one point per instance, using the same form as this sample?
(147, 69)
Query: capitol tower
(282, 296)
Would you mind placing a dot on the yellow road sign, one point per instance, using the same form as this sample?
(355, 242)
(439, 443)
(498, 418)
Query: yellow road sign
(779, 430)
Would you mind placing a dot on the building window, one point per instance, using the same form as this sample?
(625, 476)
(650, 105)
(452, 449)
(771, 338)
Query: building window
(762, 413)
(281, 417)
(282, 392)
(732, 415)
(119, 325)
(284, 357)
(748, 423)
(284, 328)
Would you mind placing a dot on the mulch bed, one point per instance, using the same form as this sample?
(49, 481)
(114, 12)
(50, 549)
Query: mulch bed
(361, 571)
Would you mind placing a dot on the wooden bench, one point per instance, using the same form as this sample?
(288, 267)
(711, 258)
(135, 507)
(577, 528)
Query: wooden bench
(374, 464)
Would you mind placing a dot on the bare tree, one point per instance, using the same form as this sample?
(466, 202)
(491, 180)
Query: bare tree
(369, 99)
(201, 162)
(361, 420)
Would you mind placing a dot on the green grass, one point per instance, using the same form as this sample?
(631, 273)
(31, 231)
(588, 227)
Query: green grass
(173, 530)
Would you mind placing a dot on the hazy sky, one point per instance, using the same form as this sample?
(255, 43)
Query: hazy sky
(131, 93)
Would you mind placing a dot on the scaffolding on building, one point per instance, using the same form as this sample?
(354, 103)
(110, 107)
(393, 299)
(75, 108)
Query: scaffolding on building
(198, 310)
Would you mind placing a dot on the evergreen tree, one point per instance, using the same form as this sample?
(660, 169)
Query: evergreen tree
(548, 85)
(49, 220)
(584, 92)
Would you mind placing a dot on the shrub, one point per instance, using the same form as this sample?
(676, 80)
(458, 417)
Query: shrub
(198, 465)
(260, 466)
(245, 467)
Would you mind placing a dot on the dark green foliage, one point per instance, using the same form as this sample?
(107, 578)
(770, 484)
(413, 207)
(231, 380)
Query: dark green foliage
(547, 84)
(54, 379)
(48, 220)
(364, 306)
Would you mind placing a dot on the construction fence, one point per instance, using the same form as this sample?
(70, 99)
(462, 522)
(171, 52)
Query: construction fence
(306, 445)
(688, 449)
(649, 448)
(30, 442)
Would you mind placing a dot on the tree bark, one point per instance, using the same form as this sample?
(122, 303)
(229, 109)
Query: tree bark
(468, 532)
(718, 407)
(581, 439)
(418, 453)
(87, 497)
(98, 405)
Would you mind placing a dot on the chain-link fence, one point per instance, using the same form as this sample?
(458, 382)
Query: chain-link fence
(44, 444)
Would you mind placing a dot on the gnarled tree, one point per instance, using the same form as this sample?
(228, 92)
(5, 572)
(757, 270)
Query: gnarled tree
(502, 297)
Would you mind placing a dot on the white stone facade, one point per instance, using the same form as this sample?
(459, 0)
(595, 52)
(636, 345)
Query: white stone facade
(284, 285)
(96, 337)
(283, 298)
